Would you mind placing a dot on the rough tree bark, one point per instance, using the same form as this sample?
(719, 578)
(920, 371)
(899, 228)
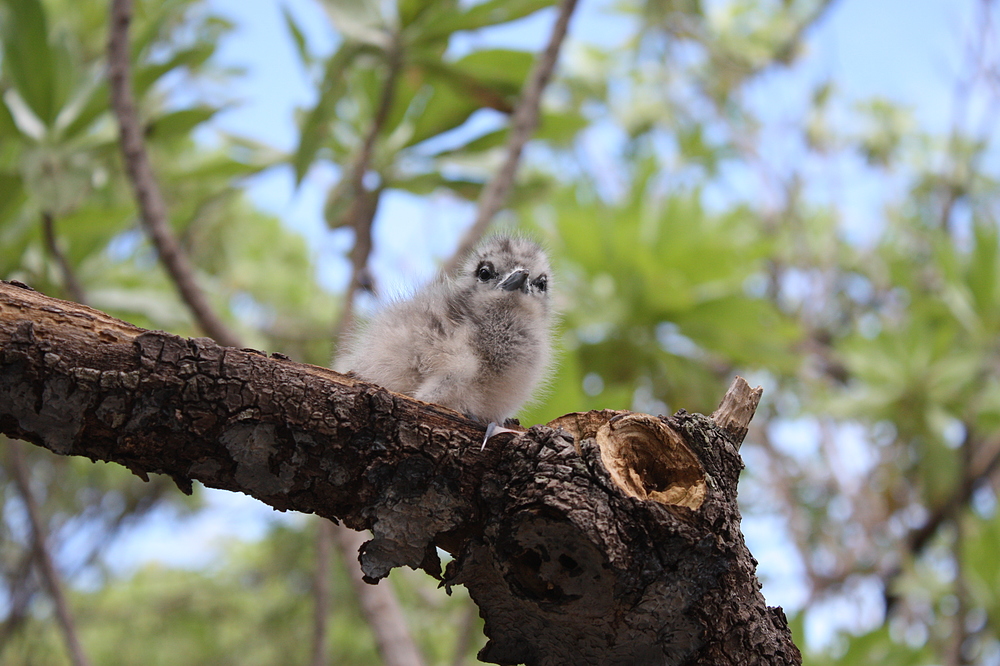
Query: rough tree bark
(601, 538)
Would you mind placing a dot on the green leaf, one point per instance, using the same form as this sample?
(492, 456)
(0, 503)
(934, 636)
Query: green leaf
(478, 144)
(153, 21)
(89, 101)
(410, 11)
(561, 129)
(29, 59)
(8, 128)
(359, 21)
(445, 109)
(982, 277)
(763, 336)
(440, 24)
(145, 75)
(498, 67)
(878, 647)
(428, 183)
(179, 123)
(297, 36)
(490, 78)
(157, 306)
(89, 229)
(529, 189)
(315, 126)
(24, 119)
(981, 564)
(12, 195)
(223, 169)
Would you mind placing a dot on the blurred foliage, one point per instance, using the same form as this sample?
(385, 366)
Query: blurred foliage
(251, 608)
(397, 54)
(687, 248)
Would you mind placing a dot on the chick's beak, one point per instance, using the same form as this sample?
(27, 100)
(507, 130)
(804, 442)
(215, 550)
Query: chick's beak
(516, 280)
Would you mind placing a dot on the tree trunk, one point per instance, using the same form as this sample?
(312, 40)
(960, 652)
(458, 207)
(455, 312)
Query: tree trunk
(600, 538)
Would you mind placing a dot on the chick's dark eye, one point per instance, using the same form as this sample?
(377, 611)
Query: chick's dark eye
(541, 283)
(485, 273)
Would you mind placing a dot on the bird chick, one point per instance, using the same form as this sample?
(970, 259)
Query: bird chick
(479, 344)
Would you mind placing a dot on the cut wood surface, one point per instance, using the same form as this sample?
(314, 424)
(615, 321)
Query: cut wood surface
(601, 538)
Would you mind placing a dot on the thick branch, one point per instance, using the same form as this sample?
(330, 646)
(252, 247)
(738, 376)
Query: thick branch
(140, 172)
(602, 538)
(522, 126)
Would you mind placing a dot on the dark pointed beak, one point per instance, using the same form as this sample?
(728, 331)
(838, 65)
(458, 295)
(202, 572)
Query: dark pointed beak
(515, 280)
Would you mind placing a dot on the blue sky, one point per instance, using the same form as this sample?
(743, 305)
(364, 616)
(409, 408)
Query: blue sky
(906, 51)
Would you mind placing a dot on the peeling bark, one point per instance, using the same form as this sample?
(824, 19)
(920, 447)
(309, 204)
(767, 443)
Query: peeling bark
(601, 538)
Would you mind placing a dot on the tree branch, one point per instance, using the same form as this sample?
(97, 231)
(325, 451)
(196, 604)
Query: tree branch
(69, 277)
(19, 594)
(140, 172)
(321, 590)
(466, 632)
(361, 215)
(379, 605)
(522, 126)
(604, 537)
(43, 557)
(364, 203)
(919, 537)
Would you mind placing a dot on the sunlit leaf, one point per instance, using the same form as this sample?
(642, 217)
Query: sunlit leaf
(145, 75)
(179, 123)
(298, 37)
(411, 11)
(359, 21)
(89, 102)
(442, 23)
(315, 125)
(983, 272)
(428, 183)
(560, 129)
(23, 117)
(981, 564)
(29, 59)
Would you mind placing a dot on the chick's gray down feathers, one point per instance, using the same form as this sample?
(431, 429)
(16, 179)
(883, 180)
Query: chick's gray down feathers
(478, 344)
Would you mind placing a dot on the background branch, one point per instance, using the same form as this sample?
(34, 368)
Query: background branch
(18, 598)
(321, 590)
(920, 537)
(72, 285)
(42, 556)
(364, 203)
(379, 605)
(147, 192)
